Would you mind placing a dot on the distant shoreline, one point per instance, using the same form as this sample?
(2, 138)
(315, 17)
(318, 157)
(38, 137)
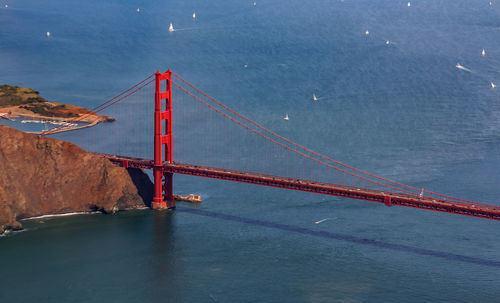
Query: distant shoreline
(13, 113)
(89, 120)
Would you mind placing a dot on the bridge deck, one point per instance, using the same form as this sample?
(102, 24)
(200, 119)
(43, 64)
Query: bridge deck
(387, 198)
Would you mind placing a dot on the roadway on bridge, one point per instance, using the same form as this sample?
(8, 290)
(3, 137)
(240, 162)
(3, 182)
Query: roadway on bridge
(387, 198)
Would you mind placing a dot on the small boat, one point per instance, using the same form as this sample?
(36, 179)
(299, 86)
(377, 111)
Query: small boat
(138, 10)
(367, 32)
(459, 65)
(387, 42)
(315, 98)
(409, 4)
(48, 34)
(194, 15)
(5, 115)
(171, 27)
(188, 198)
(483, 53)
(286, 117)
(255, 3)
(493, 85)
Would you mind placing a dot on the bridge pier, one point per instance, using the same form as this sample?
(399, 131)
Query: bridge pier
(168, 188)
(163, 181)
(158, 202)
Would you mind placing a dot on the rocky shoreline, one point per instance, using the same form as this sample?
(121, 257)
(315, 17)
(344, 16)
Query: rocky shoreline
(44, 176)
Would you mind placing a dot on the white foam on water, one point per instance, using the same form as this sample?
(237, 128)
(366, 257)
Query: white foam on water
(61, 215)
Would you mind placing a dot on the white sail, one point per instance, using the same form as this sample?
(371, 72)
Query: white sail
(286, 117)
(315, 98)
(493, 85)
(483, 53)
(171, 28)
(194, 15)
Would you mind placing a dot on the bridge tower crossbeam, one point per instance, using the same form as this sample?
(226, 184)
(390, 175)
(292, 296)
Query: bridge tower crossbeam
(163, 193)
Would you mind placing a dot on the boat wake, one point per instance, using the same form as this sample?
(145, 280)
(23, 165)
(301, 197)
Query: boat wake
(323, 220)
(322, 98)
(459, 66)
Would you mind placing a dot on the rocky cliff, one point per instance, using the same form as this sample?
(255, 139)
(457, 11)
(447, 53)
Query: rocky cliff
(40, 176)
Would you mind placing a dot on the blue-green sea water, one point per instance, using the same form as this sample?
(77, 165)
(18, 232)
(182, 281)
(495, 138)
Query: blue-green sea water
(401, 110)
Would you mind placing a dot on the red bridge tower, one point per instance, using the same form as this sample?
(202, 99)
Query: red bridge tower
(163, 181)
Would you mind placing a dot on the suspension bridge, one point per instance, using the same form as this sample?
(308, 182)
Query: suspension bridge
(208, 139)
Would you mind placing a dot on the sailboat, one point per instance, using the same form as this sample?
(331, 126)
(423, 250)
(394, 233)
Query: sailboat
(315, 98)
(493, 85)
(171, 28)
(286, 117)
(483, 53)
(48, 34)
(194, 15)
(409, 4)
(367, 32)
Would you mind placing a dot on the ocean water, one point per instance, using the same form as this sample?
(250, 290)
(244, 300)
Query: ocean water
(401, 110)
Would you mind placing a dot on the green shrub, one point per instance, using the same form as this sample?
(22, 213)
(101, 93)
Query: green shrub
(13, 95)
(48, 111)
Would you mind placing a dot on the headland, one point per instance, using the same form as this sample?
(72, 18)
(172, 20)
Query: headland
(16, 102)
(44, 176)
